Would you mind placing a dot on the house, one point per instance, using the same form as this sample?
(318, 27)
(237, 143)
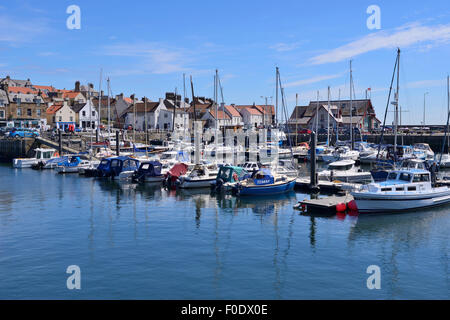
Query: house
(26, 106)
(3, 105)
(268, 112)
(15, 83)
(141, 114)
(74, 97)
(219, 118)
(60, 115)
(86, 115)
(236, 118)
(176, 104)
(120, 106)
(251, 116)
(363, 115)
(105, 105)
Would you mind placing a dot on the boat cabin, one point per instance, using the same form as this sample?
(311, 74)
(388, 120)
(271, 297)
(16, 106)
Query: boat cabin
(110, 167)
(231, 174)
(342, 165)
(411, 180)
(45, 154)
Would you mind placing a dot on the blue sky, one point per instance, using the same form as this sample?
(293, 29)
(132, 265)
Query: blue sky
(146, 46)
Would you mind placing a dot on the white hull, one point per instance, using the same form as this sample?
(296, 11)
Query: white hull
(358, 177)
(24, 163)
(372, 203)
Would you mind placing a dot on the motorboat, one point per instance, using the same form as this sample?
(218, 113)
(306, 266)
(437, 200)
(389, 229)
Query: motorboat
(403, 190)
(121, 167)
(172, 175)
(341, 153)
(199, 177)
(423, 151)
(73, 165)
(41, 155)
(344, 171)
(286, 167)
(149, 171)
(264, 183)
(301, 150)
(228, 177)
(445, 161)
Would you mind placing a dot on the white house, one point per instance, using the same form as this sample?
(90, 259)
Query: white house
(251, 116)
(155, 114)
(236, 118)
(87, 115)
(220, 117)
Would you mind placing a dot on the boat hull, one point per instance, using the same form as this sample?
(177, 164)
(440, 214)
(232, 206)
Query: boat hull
(378, 203)
(263, 190)
(197, 183)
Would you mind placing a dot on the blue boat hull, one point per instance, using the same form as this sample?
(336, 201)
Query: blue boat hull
(266, 189)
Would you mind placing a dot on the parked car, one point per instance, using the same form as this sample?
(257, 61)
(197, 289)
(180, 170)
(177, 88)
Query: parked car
(23, 133)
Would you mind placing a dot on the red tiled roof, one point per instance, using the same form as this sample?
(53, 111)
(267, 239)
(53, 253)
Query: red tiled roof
(53, 108)
(129, 100)
(49, 88)
(269, 109)
(251, 110)
(70, 94)
(232, 111)
(221, 115)
(22, 90)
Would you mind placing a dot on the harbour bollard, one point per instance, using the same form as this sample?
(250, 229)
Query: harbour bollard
(117, 143)
(60, 142)
(313, 180)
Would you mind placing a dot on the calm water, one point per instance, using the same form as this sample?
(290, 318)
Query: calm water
(141, 242)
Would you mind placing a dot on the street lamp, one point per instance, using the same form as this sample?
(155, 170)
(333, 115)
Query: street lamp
(424, 95)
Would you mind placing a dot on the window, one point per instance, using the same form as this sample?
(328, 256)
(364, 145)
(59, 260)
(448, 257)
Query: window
(60, 119)
(392, 176)
(19, 111)
(386, 189)
(38, 112)
(1, 102)
(93, 113)
(71, 119)
(84, 113)
(400, 189)
(2, 114)
(405, 176)
(29, 112)
(412, 188)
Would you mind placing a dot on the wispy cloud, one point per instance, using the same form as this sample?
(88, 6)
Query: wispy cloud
(426, 83)
(283, 47)
(15, 30)
(312, 80)
(400, 37)
(156, 58)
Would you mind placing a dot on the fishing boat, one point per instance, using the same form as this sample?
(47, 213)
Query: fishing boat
(344, 171)
(228, 177)
(404, 189)
(149, 171)
(264, 183)
(171, 176)
(41, 155)
(199, 177)
(73, 165)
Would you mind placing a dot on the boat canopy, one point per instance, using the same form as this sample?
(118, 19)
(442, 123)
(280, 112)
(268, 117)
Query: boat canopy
(178, 169)
(231, 173)
(151, 167)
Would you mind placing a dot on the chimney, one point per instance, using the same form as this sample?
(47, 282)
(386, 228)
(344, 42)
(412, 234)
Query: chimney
(161, 100)
(77, 86)
(132, 97)
(101, 94)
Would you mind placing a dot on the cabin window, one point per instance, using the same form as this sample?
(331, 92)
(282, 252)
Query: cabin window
(405, 176)
(416, 178)
(412, 188)
(145, 166)
(425, 177)
(400, 189)
(386, 189)
(115, 163)
(392, 176)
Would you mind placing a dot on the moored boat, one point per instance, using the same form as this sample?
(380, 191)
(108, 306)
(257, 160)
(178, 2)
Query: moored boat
(41, 156)
(404, 189)
(264, 183)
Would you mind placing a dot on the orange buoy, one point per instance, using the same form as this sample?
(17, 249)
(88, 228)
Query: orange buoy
(352, 206)
(341, 207)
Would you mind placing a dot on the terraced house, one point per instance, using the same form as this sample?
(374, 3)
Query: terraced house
(26, 106)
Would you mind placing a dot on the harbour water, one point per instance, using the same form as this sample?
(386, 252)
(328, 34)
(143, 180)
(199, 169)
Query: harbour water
(142, 242)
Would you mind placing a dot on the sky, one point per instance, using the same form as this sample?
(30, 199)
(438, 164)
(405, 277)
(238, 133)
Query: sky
(145, 47)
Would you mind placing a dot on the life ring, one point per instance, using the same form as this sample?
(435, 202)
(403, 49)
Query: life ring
(56, 154)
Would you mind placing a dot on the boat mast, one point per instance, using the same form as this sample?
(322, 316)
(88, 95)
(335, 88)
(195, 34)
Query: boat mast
(276, 97)
(339, 110)
(296, 117)
(174, 110)
(396, 106)
(351, 106)
(109, 111)
(448, 110)
(317, 113)
(99, 102)
(328, 119)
